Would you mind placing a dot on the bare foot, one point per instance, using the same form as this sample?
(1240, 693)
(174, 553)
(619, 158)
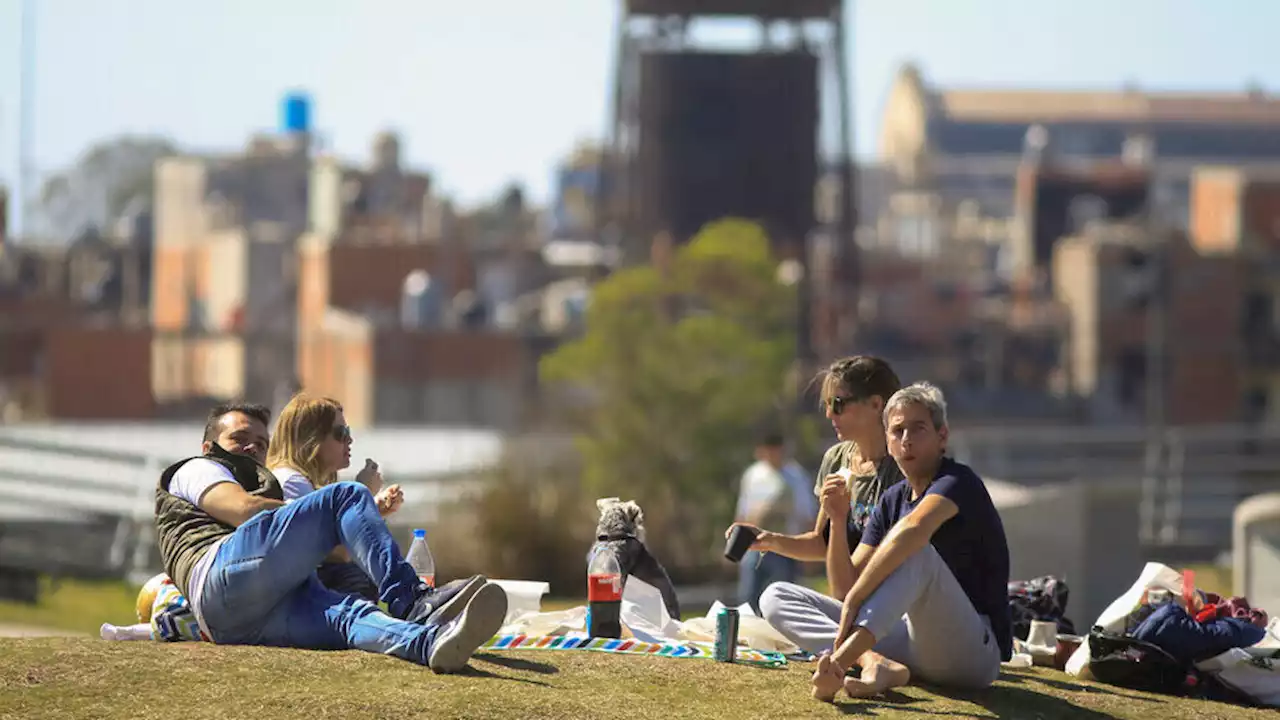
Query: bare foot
(878, 675)
(827, 680)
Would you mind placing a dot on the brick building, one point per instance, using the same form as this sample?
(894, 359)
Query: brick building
(942, 148)
(73, 337)
(1222, 347)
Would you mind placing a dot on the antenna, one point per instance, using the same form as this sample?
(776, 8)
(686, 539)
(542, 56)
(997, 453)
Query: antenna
(26, 115)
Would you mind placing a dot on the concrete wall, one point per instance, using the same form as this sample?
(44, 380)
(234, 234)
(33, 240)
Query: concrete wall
(1085, 534)
(1256, 550)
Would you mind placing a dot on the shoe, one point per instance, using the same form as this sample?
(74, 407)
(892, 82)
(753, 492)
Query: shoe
(443, 604)
(458, 638)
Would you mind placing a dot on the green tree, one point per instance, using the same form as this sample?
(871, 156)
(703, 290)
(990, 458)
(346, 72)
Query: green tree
(676, 368)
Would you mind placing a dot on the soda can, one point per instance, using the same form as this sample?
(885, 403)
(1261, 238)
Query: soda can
(725, 648)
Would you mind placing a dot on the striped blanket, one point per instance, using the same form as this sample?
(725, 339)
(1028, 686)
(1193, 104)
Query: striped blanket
(580, 641)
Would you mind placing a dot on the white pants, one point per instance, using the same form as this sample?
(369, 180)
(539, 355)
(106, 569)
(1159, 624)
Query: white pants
(920, 617)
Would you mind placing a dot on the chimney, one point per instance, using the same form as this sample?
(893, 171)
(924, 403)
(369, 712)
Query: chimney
(1036, 147)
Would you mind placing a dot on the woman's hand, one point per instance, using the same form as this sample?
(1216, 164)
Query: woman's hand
(370, 476)
(389, 499)
(835, 498)
(763, 537)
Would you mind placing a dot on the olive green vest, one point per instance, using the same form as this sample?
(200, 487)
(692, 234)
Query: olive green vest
(184, 531)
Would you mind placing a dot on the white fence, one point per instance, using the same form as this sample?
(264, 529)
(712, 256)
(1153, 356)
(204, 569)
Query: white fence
(56, 482)
(1190, 479)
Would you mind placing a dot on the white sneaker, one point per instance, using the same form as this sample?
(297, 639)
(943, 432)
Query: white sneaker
(458, 638)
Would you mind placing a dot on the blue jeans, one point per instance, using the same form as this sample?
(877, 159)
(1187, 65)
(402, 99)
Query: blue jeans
(262, 587)
(752, 580)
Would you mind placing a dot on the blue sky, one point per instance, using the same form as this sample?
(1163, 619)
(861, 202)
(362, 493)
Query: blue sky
(488, 91)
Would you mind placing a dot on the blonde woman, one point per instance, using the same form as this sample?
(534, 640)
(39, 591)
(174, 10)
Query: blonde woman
(311, 444)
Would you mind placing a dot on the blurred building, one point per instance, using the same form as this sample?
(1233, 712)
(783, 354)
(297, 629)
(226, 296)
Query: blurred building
(1221, 345)
(229, 236)
(224, 299)
(74, 341)
(943, 147)
(408, 311)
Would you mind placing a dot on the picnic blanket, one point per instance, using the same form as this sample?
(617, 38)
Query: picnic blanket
(581, 641)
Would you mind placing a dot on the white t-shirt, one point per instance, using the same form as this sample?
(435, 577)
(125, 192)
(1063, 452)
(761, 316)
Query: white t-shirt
(190, 483)
(294, 483)
(764, 490)
(805, 509)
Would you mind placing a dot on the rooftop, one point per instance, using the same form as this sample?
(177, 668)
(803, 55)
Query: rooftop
(1119, 106)
(773, 9)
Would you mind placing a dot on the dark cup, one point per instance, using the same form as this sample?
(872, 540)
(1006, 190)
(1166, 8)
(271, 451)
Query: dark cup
(740, 539)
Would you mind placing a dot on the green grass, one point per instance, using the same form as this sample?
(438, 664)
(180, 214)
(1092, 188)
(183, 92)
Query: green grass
(82, 607)
(82, 677)
(86, 677)
(75, 605)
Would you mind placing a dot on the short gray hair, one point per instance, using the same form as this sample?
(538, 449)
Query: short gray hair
(924, 394)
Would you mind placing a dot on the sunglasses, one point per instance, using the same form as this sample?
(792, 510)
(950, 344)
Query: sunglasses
(838, 404)
(342, 433)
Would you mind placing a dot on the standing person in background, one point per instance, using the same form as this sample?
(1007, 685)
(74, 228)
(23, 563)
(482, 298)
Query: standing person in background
(766, 498)
(312, 443)
(854, 392)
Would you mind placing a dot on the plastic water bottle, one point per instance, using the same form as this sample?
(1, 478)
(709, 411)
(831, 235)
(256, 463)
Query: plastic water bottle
(419, 558)
(604, 595)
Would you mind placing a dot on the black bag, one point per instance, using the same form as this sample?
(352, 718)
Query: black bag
(1126, 662)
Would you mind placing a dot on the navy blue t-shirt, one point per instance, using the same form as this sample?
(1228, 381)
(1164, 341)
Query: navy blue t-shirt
(972, 543)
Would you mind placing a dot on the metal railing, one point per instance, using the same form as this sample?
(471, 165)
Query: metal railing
(1191, 477)
(56, 488)
(89, 512)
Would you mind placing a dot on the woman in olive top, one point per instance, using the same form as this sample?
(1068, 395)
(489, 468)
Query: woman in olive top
(854, 474)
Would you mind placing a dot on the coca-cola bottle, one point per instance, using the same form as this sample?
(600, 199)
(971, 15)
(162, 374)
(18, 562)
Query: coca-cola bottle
(604, 594)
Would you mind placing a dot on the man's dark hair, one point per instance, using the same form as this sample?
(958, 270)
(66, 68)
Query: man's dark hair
(253, 410)
(769, 437)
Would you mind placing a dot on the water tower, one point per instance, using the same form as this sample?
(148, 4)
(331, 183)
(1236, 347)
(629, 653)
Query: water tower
(295, 119)
(698, 134)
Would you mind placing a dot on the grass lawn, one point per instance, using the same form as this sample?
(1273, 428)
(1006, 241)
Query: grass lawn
(84, 677)
(75, 605)
(80, 606)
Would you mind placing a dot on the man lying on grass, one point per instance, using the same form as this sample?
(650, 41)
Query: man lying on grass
(932, 598)
(246, 561)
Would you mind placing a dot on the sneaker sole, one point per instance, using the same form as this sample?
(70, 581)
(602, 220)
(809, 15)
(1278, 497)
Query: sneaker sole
(457, 603)
(480, 621)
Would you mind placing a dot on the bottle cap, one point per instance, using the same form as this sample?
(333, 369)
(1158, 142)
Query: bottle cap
(419, 533)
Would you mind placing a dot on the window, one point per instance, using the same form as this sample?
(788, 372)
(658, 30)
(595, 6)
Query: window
(1133, 376)
(917, 236)
(1254, 403)
(1257, 313)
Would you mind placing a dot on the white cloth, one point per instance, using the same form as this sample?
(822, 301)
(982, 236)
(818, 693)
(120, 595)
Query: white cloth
(294, 483)
(190, 483)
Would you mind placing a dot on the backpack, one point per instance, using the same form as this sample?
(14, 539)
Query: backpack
(1127, 662)
(1124, 661)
